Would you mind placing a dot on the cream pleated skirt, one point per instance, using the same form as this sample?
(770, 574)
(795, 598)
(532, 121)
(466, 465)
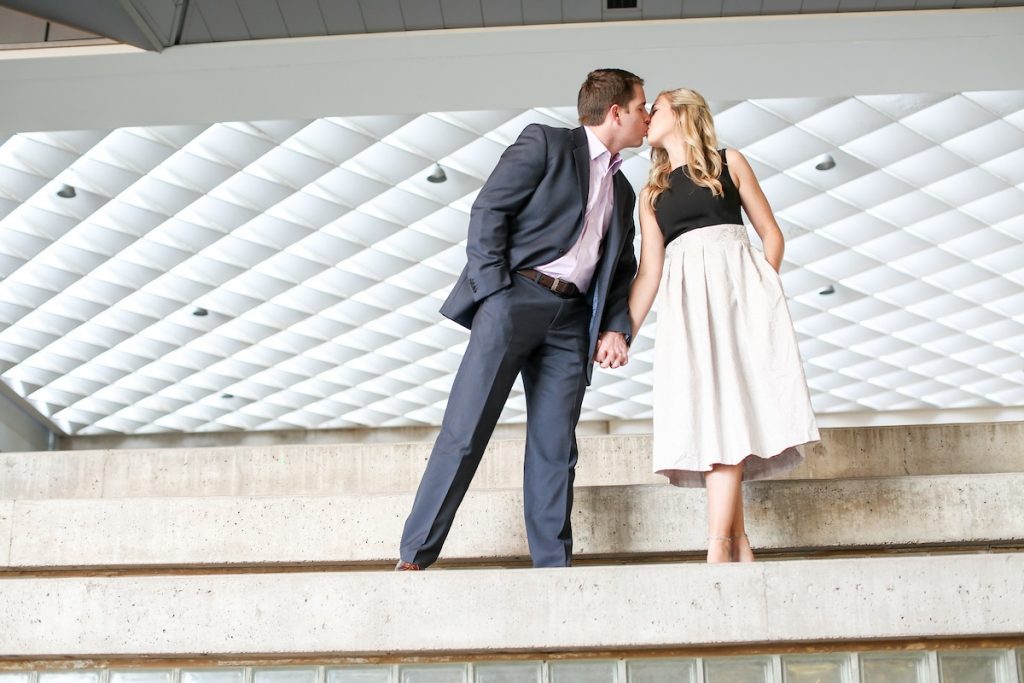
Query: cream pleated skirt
(729, 386)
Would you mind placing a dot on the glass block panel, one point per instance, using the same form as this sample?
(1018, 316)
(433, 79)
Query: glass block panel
(359, 674)
(972, 667)
(894, 667)
(508, 672)
(140, 676)
(582, 672)
(69, 676)
(211, 675)
(816, 669)
(662, 671)
(432, 674)
(289, 675)
(14, 676)
(738, 670)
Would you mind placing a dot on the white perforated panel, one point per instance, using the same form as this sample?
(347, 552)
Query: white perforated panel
(322, 253)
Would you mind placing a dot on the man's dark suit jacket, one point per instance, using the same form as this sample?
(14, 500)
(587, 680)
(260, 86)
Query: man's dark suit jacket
(530, 212)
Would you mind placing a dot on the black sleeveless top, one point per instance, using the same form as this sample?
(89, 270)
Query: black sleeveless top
(686, 206)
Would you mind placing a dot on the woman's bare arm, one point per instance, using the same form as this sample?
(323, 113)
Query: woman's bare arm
(652, 257)
(756, 205)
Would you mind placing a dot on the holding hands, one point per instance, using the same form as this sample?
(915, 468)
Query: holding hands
(612, 350)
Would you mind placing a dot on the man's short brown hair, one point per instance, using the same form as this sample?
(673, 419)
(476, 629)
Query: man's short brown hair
(602, 89)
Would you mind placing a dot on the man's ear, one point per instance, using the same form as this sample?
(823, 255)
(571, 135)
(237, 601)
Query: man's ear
(613, 112)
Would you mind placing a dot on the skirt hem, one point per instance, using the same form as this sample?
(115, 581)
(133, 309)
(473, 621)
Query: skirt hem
(756, 466)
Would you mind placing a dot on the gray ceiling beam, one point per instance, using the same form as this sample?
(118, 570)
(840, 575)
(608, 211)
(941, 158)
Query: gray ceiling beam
(786, 56)
(118, 20)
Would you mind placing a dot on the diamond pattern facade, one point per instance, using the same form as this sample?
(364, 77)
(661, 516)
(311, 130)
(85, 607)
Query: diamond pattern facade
(320, 253)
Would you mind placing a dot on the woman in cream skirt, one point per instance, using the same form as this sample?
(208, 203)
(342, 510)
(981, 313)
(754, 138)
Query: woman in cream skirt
(730, 396)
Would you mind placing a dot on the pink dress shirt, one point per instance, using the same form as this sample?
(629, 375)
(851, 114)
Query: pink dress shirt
(578, 264)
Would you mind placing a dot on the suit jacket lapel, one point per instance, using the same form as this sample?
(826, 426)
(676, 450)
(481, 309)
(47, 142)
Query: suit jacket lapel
(618, 218)
(614, 234)
(581, 153)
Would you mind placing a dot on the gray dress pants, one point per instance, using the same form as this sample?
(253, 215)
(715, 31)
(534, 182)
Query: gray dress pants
(526, 329)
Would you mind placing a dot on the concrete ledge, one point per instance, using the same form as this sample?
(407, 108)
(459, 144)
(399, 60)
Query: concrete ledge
(6, 531)
(611, 607)
(394, 468)
(608, 521)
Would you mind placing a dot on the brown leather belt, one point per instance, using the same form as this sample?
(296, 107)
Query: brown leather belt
(562, 288)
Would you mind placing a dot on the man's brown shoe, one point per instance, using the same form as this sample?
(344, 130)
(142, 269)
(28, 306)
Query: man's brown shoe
(407, 567)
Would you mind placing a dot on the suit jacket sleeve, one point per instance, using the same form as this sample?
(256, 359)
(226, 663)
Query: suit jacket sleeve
(508, 188)
(616, 310)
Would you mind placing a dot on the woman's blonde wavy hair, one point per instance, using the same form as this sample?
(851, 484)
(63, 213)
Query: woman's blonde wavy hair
(697, 129)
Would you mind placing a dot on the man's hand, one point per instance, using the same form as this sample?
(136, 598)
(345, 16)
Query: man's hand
(612, 350)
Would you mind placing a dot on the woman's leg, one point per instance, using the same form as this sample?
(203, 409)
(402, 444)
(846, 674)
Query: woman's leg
(741, 551)
(723, 484)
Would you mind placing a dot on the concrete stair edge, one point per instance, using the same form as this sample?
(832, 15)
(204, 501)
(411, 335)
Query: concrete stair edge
(552, 610)
(609, 521)
(394, 468)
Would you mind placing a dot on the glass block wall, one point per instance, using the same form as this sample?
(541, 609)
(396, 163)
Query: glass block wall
(954, 666)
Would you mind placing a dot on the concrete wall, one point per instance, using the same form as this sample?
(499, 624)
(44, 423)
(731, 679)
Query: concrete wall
(215, 553)
(18, 430)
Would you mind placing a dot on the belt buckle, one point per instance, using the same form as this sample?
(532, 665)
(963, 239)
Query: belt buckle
(555, 284)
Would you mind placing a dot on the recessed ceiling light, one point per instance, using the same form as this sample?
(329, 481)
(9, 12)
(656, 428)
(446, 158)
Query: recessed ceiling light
(438, 176)
(199, 311)
(825, 162)
(827, 290)
(66, 192)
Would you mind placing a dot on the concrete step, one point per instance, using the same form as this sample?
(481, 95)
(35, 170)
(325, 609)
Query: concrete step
(617, 522)
(609, 608)
(396, 468)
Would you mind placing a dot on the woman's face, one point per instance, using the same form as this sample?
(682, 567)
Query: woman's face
(663, 123)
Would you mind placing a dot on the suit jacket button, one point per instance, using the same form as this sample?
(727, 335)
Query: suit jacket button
(561, 252)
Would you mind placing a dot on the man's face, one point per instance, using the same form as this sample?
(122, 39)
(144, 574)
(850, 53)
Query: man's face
(634, 119)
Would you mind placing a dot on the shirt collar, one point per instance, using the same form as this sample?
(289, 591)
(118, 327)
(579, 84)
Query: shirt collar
(597, 150)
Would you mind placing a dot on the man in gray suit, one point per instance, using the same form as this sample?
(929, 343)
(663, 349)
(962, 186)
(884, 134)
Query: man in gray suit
(545, 291)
